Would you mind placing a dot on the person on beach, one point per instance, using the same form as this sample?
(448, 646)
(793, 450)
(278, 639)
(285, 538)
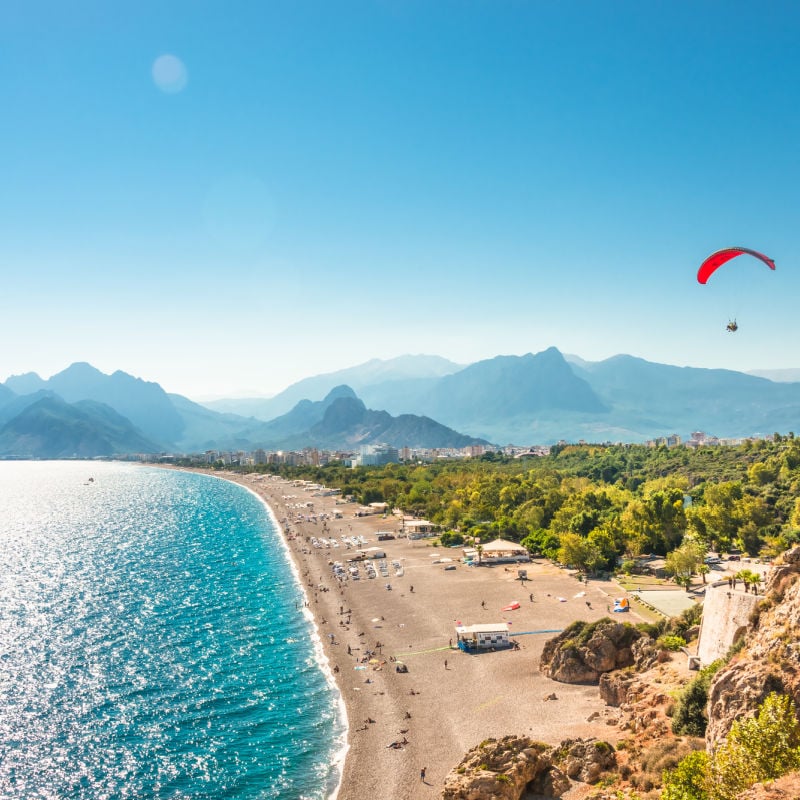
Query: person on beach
(422, 774)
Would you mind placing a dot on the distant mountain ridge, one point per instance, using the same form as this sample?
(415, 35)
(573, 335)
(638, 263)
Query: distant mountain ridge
(530, 399)
(373, 372)
(341, 420)
(81, 412)
(52, 428)
(546, 397)
(145, 404)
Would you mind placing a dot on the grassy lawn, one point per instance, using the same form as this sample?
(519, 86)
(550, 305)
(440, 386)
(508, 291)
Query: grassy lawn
(633, 582)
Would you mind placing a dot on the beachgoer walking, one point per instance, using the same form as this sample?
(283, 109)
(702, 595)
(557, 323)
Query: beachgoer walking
(445, 663)
(531, 596)
(483, 604)
(422, 774)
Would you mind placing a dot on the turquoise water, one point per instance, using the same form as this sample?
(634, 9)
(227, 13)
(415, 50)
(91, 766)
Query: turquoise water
(151, 644)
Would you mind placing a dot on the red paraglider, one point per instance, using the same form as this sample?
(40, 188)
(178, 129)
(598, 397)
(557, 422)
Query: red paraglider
(716, 260)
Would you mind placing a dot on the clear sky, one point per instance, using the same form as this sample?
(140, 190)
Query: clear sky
(226, 197)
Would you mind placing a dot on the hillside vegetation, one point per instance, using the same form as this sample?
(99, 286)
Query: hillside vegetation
(592, 506)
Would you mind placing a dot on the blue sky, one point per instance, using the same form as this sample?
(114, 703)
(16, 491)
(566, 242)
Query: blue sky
(329, 182)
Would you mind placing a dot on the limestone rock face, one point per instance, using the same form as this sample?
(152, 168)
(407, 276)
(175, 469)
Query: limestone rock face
(585, 760)
(515, 767)
(615, 687)
(785, 788)
(770, 660)
(505, 769)
(645, 653)
(583, 652)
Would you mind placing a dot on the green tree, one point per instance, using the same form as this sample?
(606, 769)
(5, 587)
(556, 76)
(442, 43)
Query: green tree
(719, 512)
(749, 578)
(683, 562)
(761, 474)
(575, 551)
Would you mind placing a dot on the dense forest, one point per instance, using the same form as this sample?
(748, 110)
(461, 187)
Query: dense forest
(595, 506)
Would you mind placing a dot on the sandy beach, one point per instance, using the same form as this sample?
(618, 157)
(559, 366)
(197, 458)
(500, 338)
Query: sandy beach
(448, 701)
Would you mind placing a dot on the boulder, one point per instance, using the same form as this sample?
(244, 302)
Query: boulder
(505, 769)
(586, 760)
(584, 651)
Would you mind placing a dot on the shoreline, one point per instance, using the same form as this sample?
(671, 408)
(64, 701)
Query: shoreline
(340, 754)
(448, 701)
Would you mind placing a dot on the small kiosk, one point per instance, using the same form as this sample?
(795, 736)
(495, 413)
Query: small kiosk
(488, 636)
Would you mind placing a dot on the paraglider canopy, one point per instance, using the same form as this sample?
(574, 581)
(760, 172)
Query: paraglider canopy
(716, 260)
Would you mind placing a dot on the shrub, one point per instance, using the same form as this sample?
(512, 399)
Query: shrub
(687, 619)
(671, 642)
(688, 780)
(665, 755)
(690, 713)
(449, 538)
(757, 749)
(653, 629)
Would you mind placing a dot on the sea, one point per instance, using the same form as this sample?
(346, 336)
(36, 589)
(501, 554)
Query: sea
(154, 642)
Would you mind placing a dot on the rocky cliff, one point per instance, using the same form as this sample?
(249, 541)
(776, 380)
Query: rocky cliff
(770, 657)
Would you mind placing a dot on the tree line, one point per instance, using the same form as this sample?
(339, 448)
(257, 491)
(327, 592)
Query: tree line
(596, 506)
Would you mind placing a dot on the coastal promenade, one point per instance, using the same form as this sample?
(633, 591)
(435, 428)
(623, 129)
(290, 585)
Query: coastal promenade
(447, 701)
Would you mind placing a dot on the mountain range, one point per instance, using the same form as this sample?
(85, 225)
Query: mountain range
(81, 412)
(547, 396)
(415, 401)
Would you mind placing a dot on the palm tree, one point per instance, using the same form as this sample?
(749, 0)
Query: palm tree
(748, 578)
(479, 551)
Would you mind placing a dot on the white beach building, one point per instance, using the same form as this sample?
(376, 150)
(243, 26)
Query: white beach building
(485, 636)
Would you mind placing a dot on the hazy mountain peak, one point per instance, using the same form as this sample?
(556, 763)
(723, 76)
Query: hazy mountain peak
(78, 371)
(342, 390)
(27, 383)
(343, 413)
